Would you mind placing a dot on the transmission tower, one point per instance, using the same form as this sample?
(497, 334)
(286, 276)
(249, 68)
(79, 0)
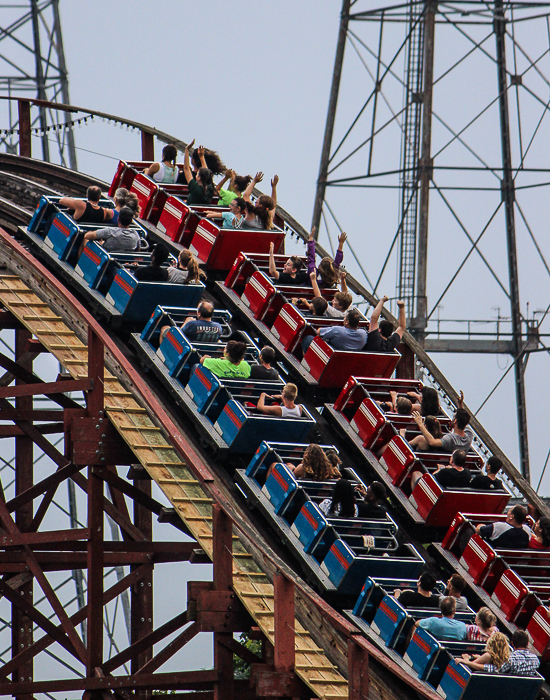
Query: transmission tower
(32, 61)
(471, 77)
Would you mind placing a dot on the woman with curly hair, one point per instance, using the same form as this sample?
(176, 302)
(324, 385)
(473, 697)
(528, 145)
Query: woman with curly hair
(316, 466)
(261, 215)
(427, 402)
(497, 652)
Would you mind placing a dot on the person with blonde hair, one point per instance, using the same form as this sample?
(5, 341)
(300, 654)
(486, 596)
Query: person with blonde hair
(497, 653)
(316, 465)
(288, 409)
(187, 271)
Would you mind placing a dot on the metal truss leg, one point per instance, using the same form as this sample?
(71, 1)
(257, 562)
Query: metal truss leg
(22, 626)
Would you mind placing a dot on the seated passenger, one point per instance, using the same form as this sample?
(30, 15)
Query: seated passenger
(343, 503)
(522, 662)
(371, 506)
(328, 271)
(264, 370)
(383, 337)
(485, 626)
(237, 187)
(116, 240)
(346, 337)
(154, 272)
(187, 271)
(123, 198)
(232, 365)
(201, 329)
(488, 481)
(444, 627)
(422, 597)
(258, 217)
(288, 410)
(233, 218)
(261, 215)
(88, 212)
(201, 188)
(511, 534)
(454, 475)
(427, 401)
(460, 438)
(315, 465)
(455, 586)
(399, 404)
(540, 538)
(319, 306)
(166, 171)
(493, 659)
(292, 273)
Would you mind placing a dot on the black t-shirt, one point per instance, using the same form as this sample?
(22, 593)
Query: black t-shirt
(261, 372)
(301, 278)
(510, 537)
(413, 599)
(451, 478)
(377, 343)
(370, 510)
(151, 274)
(481, 482)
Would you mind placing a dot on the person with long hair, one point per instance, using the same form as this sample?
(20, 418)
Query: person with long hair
(484, 627)
(540, 539)
(260, 216)
(237, 187)
(201, 188)
(496, 654)
(328, 271)
(234, 218)
(315, 465)
(206, 158)
(342, 504)
(427, 402)
(123, 198)
(166, 171)
(187, 270)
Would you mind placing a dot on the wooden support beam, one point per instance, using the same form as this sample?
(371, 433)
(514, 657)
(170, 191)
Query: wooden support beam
(358, 669)
(24, 107)
(284, 647)
(147, 146)
(222, 560)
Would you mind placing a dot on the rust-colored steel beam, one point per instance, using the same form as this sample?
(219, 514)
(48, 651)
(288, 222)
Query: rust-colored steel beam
(147, 145)
(95, 563)
(45, 388)
(22, 622)
(358, 669)
(222, 561)
(24, 108)
(76, 619)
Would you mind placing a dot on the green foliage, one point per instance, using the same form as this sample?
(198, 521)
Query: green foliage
(241, 668)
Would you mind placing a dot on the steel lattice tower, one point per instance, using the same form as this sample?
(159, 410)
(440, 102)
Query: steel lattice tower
(32, 61)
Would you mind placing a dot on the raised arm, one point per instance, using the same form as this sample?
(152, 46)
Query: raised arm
(343, 283)
(432, 442)
(274, 189)
(272, 268)
(225, 178)
(257, 178)
(342, 238)
(311, 252)
(186, 163)
(402, 319)
(200, 151)
(373, 325)
(78, 205)
(313, 278)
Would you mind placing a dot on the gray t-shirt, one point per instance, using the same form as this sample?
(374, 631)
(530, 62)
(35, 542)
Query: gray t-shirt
(118, 240)
(177, 276)
(253, 223)
(334, 313)
(451, 441)
(461, 603)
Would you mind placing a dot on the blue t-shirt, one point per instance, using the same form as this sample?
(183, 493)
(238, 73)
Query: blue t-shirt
(202, 331)
(341, 338)
(444, 628)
